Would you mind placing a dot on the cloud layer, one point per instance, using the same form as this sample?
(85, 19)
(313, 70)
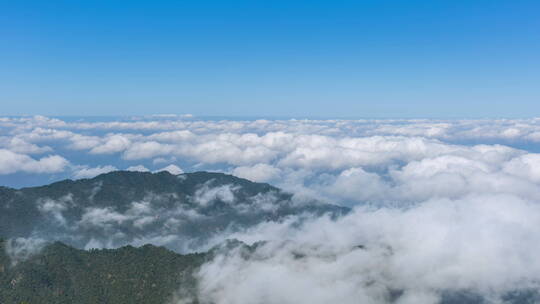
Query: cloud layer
(309, 157)
(484, 245)
(438, 205)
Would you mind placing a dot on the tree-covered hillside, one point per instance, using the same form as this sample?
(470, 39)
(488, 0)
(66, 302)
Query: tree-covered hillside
(45, 230)
(63, 274)
(120, 208)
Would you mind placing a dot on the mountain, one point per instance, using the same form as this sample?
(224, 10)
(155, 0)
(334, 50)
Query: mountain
(49, 236)
(60, 274)
(182, 212)
(45, 230)
(63, 274)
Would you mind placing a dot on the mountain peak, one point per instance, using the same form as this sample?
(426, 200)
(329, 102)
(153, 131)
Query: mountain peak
(119, 208)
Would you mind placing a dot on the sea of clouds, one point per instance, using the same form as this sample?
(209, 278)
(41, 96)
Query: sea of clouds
(439, 206)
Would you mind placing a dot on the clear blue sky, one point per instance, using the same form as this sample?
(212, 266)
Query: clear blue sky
(432, 58)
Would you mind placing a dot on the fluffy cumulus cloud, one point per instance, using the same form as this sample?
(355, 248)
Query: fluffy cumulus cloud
(111, 144)
(172, 169)
(483, 245)
(19, 145)
(263, 148)
(12, 162)
(438, 205)
(208, 194)
(258, 172)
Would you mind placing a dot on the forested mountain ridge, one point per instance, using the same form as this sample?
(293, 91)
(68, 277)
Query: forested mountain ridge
(120, 208)
(63, 274)
(182, 212)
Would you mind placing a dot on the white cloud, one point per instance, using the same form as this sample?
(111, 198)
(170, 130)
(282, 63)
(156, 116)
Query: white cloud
(55, 208)
(138, 168)
(162, 160)
(335, 160)
(86, 172)
(11, 162)
(173, 136)
(257, 173)
(19, 145)
(484, 244)
(207, 194)
(172, 169)
(113, 143)
(20, 249)
(355, 184)
(441, 204)
(526, 166)
(148, 149)
(102, 217)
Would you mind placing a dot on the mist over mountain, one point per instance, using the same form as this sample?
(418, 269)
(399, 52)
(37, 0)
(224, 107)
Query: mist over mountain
(200, 212)
(437, 210)
(269, 152)
(183, 212)
(63, 274)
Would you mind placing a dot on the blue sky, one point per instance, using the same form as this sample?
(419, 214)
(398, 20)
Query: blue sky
(272, 58)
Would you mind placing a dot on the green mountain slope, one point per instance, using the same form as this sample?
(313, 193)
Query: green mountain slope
(43, 230)
(60, 274)
(63, 274)
(120, 208)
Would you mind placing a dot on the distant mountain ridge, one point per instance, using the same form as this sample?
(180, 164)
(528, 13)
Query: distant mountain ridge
(123, 207)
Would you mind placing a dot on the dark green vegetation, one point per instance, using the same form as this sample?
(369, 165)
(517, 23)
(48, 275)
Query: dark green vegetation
(182, 212)
(63, 274)
(146, 275)
(120, 208)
